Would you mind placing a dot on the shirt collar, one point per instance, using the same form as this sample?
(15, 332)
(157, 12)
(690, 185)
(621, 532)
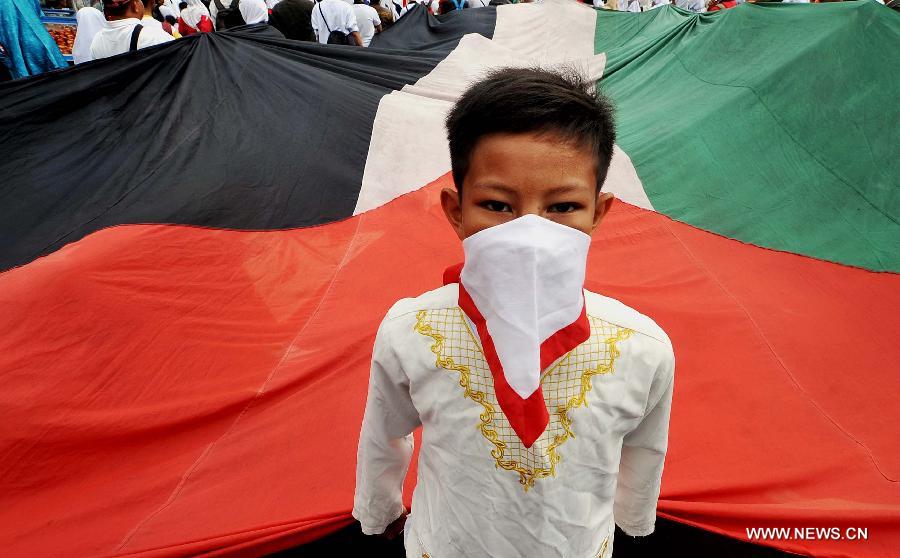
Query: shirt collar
(123, 22)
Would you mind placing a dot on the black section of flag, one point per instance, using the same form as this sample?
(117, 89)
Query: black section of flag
(419, 30)
(220, 130)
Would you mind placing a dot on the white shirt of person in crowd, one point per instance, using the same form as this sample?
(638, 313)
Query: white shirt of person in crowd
(410, 4)
(115, 38)
(629, 5)
(150, 21)
(333, 15)
(367, 19)
(272, 3)
(696, 6)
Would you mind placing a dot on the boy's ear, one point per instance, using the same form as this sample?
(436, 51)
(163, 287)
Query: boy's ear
(604, 202)
(451, 203)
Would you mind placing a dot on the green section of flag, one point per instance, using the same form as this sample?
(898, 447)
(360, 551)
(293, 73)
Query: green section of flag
(774, 124)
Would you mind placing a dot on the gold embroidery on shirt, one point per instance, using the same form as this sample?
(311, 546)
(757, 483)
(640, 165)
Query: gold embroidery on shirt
(565, 386)
(603, 548)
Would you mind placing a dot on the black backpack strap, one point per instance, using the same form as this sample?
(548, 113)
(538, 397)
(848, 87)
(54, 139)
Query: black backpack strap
(323, 17)
(135, 33)
(219, 5)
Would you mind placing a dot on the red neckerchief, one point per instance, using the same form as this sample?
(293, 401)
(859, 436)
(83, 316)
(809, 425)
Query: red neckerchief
(528, 417)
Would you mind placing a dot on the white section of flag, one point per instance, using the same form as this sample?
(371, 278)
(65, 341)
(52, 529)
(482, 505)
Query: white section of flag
(409, 149)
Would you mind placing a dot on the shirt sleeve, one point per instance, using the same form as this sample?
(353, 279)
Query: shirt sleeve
(643, 454)
(350, 19)
(385, 440)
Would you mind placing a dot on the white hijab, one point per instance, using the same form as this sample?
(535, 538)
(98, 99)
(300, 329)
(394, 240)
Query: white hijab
(166, 11)
(173, 5)
(254, 11)
(194, 13)
(90, 22)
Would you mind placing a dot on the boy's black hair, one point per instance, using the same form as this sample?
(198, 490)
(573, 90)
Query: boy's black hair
(116, 10)
(525, 100)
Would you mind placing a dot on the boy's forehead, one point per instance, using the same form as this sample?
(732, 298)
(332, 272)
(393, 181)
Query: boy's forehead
(544, 137)
(511, 162)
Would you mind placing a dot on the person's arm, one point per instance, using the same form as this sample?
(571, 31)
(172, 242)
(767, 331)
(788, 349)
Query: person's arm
(314, 24)
(376, 21)
(643, 454)
(351, 26)
(385, 440)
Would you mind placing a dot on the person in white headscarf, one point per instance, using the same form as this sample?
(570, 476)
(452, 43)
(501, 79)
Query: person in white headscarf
(170, 20)
(172, 5)
(166, 12)
(90, 22)
(195, 18)
(254, 11)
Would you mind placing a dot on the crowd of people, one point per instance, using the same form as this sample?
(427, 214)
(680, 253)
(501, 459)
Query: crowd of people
(110, 27)
(125, 25)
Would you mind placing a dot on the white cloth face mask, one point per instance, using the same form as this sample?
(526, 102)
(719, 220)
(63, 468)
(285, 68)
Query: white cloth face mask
(526, 278)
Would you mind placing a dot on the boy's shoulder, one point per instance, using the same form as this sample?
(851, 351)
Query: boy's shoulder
(616, 312)
(442, 297)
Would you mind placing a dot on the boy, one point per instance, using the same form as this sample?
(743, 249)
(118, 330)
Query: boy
(512, 358)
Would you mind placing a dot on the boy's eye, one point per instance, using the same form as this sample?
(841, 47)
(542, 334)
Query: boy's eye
(567, 207)
(494, 205)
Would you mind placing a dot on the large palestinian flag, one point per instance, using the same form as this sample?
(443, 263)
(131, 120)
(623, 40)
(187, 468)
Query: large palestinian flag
(199, 240)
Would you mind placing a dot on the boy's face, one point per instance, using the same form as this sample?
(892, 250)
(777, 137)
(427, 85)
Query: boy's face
(511, 175)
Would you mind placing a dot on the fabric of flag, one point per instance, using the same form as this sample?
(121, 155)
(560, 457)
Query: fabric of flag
(198, 241)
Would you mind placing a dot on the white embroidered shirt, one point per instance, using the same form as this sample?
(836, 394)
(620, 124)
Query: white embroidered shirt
(479, 491)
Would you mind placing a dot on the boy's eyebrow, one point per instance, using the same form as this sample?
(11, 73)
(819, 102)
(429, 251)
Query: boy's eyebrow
(564, 189)
(496, 186)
